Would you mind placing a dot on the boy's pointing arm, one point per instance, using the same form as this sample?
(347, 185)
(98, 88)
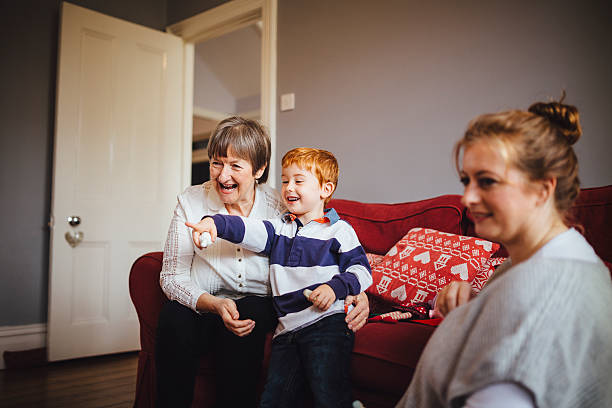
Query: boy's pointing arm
(251, 234)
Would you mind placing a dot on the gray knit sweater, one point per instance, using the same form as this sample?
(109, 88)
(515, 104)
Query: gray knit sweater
(545, 324)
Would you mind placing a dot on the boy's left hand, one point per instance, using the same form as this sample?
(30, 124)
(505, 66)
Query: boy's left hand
(322, 297)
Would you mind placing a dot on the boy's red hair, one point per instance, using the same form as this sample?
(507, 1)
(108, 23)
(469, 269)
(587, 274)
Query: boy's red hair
(322, 163)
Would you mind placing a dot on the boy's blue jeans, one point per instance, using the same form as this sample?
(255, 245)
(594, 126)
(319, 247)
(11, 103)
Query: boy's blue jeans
(317, 357)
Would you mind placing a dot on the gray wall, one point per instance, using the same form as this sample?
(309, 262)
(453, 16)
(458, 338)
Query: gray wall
(181, 9)
(208, 91)
(388, 86)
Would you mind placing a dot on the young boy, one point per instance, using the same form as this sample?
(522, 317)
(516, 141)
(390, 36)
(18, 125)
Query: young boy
(309, 248)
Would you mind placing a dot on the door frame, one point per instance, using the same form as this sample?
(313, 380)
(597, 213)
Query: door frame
(213, 23)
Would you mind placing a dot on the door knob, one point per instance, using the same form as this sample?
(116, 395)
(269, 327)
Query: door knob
(74, 220)
(74, 238)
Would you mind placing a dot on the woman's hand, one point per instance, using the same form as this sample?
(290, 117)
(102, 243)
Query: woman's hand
(205, 225)
(357, 317)
(322, 297)
(452, 296)
(227, 310)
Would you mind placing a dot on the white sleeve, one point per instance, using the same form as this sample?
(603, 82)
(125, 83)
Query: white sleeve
(175, 278)
(353, 254)
(500, 395)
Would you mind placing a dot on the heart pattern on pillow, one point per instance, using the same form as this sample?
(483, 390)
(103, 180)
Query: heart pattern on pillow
(423, 258)
(482, 278)
(399, 293)
(426, 260)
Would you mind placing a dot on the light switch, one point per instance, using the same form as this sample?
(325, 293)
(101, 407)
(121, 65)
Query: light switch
(287, 102)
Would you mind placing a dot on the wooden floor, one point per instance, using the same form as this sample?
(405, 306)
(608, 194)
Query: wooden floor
(107, 381)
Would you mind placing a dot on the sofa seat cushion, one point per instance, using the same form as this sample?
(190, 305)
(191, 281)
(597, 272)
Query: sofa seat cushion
(391, 351)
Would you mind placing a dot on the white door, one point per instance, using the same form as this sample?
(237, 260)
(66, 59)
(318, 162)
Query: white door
(118, 165)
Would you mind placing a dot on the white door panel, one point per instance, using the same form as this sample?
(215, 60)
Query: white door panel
(118, 164)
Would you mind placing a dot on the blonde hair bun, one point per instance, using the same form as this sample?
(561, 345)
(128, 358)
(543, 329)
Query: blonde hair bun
(564, 117)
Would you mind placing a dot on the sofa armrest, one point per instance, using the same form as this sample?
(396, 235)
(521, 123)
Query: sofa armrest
(147, 296)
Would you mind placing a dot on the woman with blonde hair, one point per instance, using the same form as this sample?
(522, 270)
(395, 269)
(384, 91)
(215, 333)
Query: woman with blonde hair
(539, 334)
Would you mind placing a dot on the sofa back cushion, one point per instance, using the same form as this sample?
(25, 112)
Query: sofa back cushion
(593, 212)
(380, 226)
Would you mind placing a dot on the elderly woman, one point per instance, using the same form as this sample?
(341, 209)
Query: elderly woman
(539, 333)
(220, 295)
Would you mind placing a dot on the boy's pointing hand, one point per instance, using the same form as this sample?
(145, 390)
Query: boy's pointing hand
(207, 225)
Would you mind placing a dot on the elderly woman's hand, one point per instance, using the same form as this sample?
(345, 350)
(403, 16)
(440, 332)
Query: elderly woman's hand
(452, 296)
(227, 310)
(357, 317)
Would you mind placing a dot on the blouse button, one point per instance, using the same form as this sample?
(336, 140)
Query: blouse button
(239, 259)
(239, 276)
(240, 285)
(238, 249)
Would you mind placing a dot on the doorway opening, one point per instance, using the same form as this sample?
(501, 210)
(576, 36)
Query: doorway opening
(237, 18)
(226, 82)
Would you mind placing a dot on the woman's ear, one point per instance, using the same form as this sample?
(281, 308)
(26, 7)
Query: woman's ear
(260, 172)
(547, 189)
(327, 189)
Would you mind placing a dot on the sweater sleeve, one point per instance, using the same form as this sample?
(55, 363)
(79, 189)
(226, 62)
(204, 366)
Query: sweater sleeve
(355, 275)
(500, 395)
(175, 277)
(251, 234)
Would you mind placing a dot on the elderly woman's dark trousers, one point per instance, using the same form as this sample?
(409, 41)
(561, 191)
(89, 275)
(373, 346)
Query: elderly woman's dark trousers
(183, 336)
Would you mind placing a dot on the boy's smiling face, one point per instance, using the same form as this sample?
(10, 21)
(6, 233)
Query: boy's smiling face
(303, 194)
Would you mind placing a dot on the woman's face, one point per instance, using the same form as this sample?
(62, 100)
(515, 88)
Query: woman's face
(234, 178)
(501, 199)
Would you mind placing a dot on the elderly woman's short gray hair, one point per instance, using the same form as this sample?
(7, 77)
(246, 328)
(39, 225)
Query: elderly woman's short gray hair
(248, 140)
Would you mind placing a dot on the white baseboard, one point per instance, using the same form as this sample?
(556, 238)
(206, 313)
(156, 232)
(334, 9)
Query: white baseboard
(19, 338)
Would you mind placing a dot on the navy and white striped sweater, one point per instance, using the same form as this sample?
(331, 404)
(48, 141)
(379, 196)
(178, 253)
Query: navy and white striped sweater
(302, 257)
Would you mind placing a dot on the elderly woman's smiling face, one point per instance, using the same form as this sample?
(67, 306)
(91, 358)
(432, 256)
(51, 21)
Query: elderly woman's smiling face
(234, 178)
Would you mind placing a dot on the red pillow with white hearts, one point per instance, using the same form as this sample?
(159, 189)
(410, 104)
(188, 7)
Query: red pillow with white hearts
(373, 259)
(426, 260)
(483, 276)
(376, 304)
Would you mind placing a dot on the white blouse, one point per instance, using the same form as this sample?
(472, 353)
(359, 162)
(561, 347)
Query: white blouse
(222, 269)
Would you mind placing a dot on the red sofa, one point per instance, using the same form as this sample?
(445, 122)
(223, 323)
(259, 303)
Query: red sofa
(385, 355)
